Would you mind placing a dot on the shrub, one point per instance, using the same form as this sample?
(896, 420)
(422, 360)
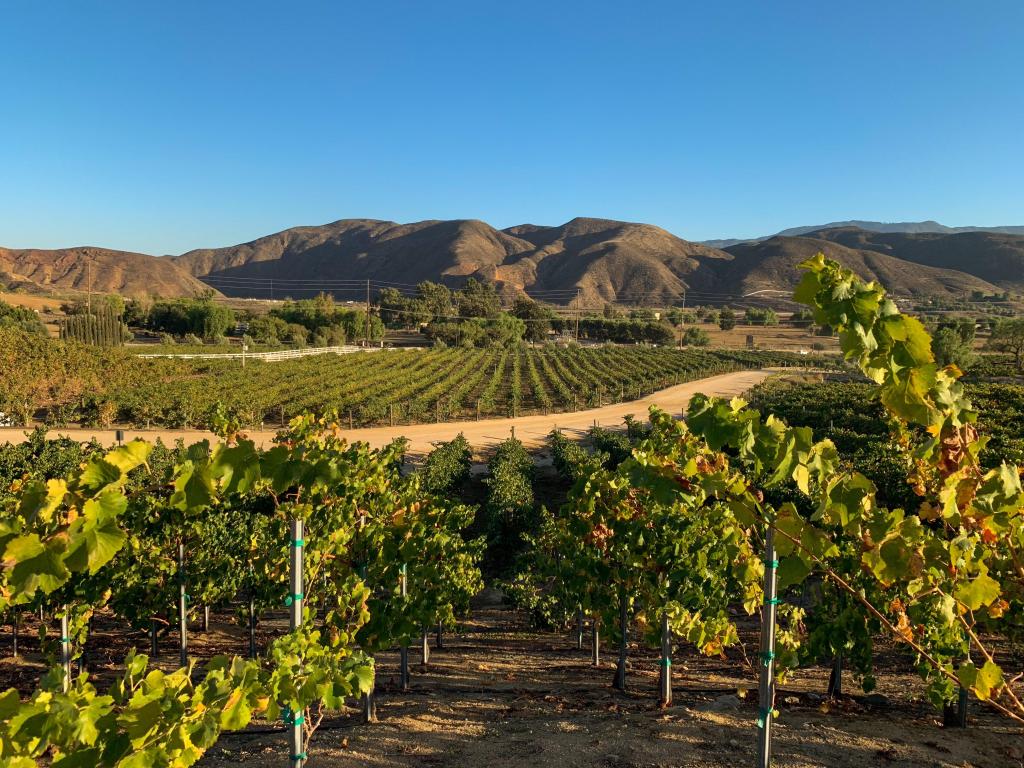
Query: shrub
(696, 337)
(726, 319)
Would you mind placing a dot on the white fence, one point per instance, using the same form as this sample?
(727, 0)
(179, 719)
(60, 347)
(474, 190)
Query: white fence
(283, 354)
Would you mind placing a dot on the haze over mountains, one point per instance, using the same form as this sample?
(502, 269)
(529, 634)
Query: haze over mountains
(603, 260)
(907, 227)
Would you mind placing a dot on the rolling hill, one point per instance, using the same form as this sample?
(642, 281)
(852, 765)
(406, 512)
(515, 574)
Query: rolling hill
(102, 269)
(606, 260)
(993, 256)
(601, 260)
(908, 227)
(772, 265)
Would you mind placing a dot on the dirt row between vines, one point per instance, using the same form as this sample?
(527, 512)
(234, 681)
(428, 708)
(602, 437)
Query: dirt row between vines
(484, 434)
(504, 696)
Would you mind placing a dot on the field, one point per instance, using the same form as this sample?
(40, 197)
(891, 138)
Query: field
(839, 565)
(368, 388)
(773, 337)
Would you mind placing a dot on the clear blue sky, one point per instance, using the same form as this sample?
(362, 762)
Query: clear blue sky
(166, 126)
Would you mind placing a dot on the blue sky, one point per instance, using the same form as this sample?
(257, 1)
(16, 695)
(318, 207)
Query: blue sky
(161, 127)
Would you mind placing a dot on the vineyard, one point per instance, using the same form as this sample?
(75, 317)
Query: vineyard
(75, 384)
(686, 538)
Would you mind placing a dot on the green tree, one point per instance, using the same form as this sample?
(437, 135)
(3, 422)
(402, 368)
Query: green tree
(396, 309)
(537, 318)
(761, 316)
(504, 330)
(949, 347)
(695, 337)
(434, 302)
(268, 329)
(726, 319)
(22, 318)
(1008, 336)
(478, 299)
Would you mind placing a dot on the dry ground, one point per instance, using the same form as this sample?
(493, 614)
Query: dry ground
(501, 695)
(778, 337)
(532, 430)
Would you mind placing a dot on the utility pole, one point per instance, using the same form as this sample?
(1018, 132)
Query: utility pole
(577, 315)
(88, 268)
(367, 312)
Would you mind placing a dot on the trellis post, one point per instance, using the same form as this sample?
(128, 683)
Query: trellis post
(766, 689)
(404, 651)
(665, 678)
(295, 601)
(182, 608)
(65, 648)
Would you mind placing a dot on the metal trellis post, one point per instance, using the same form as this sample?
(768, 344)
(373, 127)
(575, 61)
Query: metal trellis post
(295, 601)
(766, 689)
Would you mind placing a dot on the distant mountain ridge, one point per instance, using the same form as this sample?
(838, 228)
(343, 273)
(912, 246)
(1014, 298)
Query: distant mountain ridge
(910, 227)
(599, 260)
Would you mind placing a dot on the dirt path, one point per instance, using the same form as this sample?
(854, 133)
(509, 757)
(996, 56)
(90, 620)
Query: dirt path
(532, 430)
(500, 695)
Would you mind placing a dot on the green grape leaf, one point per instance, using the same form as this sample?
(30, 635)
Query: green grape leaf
(129, 456)
(95, 537)
(33, 565)
(40, 500)
(236, 713)
(792, 570)
(983, 590)
(97, 475)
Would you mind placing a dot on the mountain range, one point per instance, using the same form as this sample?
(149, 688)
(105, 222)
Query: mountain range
(601, 260)
(906, 227)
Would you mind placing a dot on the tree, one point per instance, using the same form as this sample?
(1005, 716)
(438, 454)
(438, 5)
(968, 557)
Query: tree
(726, 319)
(950, 348)
(211, 320)
(435, 301)
(695, 337)
(21, 318)
(267, 329)
(504, 330)
(758, 316)
(395, 309)
(477, 299)
(678, 317)
(201, 317)
(1008, 336)
(802, 318)
(537, 318)
(611, 313)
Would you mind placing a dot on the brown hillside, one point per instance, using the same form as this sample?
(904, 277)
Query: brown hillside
(772, 264)
(606, 260)
(992, 256)
(603, 260)
(130, 274)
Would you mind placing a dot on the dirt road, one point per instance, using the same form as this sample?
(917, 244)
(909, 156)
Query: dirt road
(532, 430)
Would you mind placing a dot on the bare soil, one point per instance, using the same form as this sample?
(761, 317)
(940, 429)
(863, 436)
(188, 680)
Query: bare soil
(774, 337)
(500, 694)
